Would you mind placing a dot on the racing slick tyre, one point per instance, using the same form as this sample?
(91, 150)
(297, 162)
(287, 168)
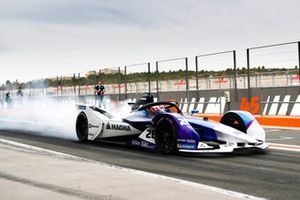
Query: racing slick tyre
(165, 137)
(82, 127)
(234, 120)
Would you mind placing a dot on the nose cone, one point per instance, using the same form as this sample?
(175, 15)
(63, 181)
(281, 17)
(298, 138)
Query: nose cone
(227, 133)
(256, 131)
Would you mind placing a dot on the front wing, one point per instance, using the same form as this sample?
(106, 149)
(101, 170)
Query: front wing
(222, 148)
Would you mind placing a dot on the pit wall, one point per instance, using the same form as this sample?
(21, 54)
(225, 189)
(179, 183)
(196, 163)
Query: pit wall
(280, 101)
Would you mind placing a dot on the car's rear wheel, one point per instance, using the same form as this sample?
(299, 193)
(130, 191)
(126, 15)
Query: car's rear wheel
(235, 121)
(82, 127)
(165, 137)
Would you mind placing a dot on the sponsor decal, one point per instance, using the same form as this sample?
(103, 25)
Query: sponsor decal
(143, 144)
(190, 141)
(147, 145)
(183, 122)
(186, 140)
(136, 143)
(93, 126)
(81, 107)
(186, 146)
(118, 127)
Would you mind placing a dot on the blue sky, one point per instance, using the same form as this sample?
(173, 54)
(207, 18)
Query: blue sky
(44, 38)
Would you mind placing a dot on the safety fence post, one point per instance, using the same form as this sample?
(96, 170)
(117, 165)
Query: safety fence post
(156, 72)
(187, 79)
(248, 74)
(79, 84)
(234, 74)
(74, 83)
(119, 82)
(299, 64)
(149, 77)
(125, 80)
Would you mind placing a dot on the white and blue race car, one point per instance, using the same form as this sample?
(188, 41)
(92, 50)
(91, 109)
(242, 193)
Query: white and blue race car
(162, 126)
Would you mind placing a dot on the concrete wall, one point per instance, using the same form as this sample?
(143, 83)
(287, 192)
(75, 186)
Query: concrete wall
(281, 101)
(263, 101)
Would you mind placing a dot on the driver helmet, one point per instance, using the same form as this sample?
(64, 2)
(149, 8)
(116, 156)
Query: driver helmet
(148, 97)
(145, 99)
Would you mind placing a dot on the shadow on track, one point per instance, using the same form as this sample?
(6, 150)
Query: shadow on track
(104, 145)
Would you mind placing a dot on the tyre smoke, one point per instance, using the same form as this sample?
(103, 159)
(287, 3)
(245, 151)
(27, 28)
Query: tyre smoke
(51, 116)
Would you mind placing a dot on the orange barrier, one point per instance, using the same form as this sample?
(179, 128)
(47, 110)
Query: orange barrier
(281, 121)
(284, 121)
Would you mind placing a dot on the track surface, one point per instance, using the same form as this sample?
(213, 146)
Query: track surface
(273, 174)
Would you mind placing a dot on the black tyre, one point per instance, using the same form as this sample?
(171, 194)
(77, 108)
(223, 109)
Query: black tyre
(82, 127)
(165, 137)
(235, 121)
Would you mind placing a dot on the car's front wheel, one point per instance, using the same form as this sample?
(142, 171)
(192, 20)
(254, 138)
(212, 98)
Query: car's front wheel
(165, 137)
(82, 127)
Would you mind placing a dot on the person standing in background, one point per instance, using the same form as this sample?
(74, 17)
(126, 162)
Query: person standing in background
(8, 100)
(20, 97)
(99, 91)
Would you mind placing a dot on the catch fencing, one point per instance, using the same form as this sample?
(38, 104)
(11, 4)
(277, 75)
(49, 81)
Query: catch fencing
(266, 68)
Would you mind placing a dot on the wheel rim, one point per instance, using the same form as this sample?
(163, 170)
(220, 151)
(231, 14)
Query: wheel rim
(166, 140)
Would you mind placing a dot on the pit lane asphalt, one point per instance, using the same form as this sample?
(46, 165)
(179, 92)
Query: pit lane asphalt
(272, 174)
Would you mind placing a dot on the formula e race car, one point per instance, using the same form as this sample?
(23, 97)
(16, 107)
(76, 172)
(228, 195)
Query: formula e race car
(162, 126)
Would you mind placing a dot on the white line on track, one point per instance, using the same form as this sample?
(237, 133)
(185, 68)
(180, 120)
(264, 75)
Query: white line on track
(280, 138)
(279, 127)
(285, 147)
(151, 175)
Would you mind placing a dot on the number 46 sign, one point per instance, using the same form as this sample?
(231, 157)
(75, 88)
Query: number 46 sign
(251, 106)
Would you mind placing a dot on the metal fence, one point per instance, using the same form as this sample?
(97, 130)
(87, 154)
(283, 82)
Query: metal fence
(176, 74)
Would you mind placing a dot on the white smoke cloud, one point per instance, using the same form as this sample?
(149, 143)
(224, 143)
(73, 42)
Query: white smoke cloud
(50, 116)
(44, 116)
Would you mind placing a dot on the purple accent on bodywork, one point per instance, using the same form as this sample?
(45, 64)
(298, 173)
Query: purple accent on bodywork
(205, 129)
(249, 124)
(184, 131)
